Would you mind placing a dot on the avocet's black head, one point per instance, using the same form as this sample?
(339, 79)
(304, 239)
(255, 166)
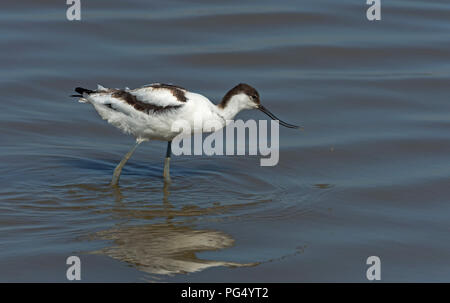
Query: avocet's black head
(246, 97)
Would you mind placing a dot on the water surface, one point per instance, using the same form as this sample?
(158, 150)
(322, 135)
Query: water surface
(368, 176)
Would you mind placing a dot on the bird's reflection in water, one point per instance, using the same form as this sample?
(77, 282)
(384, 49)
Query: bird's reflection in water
(167, 247)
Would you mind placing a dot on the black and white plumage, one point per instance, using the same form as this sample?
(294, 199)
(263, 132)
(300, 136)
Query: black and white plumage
(149, 112)
(146, 112)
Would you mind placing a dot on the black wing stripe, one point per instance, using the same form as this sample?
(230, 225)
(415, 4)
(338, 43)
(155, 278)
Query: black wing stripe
(139, 105)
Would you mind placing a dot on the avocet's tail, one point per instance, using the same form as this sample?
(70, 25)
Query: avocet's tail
(81, 91)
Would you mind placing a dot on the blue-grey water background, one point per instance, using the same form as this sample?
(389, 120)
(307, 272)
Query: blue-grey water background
(369, 175)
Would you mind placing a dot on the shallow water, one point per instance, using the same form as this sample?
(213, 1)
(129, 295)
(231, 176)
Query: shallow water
(369, 175)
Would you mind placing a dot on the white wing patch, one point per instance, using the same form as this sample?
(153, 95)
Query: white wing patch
(101, 88)
(160, 94)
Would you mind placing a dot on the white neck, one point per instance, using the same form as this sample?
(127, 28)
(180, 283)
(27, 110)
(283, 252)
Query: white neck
(233, 106)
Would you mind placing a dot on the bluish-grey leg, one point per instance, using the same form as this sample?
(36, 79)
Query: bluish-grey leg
(118, 169)
(166, 173)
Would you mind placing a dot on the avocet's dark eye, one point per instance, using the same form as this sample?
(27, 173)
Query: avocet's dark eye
(254, 97)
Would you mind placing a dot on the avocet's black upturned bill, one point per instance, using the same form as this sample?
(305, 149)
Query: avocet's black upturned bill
(148, 112)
